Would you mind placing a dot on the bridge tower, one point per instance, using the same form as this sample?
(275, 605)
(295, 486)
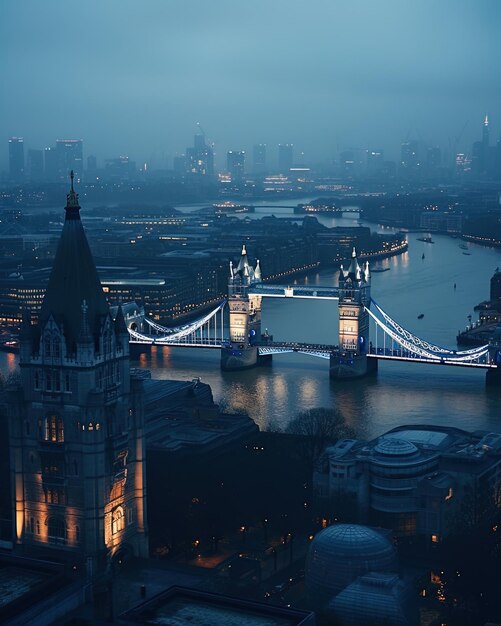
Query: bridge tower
(354, 296)
(244, 316)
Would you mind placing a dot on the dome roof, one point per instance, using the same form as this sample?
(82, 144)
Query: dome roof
(391, 446)
(342, 552)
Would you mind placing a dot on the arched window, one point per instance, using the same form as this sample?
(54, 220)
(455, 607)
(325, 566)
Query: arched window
(57, 528)
(117, 520)
(47, 345)
(54, 429)
(56, 347)
(32, 525)
(38, 526)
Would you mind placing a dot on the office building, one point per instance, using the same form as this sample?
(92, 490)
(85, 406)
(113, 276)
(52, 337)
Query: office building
(412, 479)
(235, 164)
(259, 158)
(285, 157)
(16, 159)
(200, 158)
(69, 157)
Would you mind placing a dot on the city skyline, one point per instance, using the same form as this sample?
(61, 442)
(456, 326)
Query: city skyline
(321, 80)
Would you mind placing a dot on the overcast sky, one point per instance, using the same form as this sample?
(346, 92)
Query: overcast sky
(134, 76)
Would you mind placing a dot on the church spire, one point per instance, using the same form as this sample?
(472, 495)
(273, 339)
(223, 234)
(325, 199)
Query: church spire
(73, 279)
(72, 207)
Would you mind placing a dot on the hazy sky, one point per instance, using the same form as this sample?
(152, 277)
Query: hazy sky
(134, 76)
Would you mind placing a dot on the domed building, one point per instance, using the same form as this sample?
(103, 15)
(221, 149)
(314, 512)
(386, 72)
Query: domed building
(341, 553)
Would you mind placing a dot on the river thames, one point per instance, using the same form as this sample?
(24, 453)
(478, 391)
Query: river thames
(401, 393)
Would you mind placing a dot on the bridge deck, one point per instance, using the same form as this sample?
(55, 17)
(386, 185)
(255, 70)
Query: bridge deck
(318, 292)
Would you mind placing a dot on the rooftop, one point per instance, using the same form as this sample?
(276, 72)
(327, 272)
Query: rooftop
(180, 606)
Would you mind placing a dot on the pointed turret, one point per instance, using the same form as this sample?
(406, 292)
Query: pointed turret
(120, 325)
(231, 269)
(257, 272)
(244, 261)
(354, 266)
(73, 279)
(367, 272)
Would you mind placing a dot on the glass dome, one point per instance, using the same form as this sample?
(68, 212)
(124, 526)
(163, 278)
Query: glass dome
(342, 552)
(390, 446)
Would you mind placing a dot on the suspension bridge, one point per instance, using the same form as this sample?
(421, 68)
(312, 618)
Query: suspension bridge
(367, 333)
(391, 340)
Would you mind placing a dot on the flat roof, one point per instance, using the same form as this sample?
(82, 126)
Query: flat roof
(179, 606)
(423, 437)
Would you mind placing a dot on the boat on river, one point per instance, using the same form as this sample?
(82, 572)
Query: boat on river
(425, 239)
(420, 316)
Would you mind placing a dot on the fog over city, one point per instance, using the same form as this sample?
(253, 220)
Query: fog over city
(135, 77)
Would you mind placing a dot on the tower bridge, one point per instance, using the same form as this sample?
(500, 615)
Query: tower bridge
(367, 334)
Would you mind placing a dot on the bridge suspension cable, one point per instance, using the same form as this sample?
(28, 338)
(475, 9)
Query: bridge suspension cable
(183, 333)
(421, 343)
(422, 353)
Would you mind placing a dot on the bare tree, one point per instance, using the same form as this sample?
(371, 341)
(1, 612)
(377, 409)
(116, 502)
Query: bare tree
(318, 428)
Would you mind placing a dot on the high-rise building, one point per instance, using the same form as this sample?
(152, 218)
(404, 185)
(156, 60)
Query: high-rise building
(235, 163)
(259, 158)
(409, 159)
(16, 159)
(70, 157)
(76, 421)
(480, 153)
(200, 158)
(375, 162)
(285, 157)
(34, 165)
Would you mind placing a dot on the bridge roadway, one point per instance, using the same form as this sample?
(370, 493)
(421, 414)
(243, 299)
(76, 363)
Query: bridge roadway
(396, 354)
(316, 292)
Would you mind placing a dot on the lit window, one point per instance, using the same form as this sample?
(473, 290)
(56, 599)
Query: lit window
(54, 429)
(434, 538)
(117, 520)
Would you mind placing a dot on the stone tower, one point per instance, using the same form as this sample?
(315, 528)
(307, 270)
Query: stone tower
(354, 298)
(76, 421)
(244, 316)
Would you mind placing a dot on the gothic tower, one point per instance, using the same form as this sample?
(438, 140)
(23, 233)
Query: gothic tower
(244, 316)
(354, 299)
(76, 421)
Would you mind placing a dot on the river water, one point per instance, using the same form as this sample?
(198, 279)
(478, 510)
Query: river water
(401, 393)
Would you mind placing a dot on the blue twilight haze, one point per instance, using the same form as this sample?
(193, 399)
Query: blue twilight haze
(133, 77)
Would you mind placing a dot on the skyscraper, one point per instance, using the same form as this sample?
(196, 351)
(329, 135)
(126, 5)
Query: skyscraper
(16, 159)
(480, 152)
(259, 158)
(235, 163)
(374, 162)
(285, 157)
(200, 158)
(76, 421)
(69, 157)
(409, 159)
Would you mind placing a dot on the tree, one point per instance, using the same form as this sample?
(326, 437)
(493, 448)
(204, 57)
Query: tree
(318, 428)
